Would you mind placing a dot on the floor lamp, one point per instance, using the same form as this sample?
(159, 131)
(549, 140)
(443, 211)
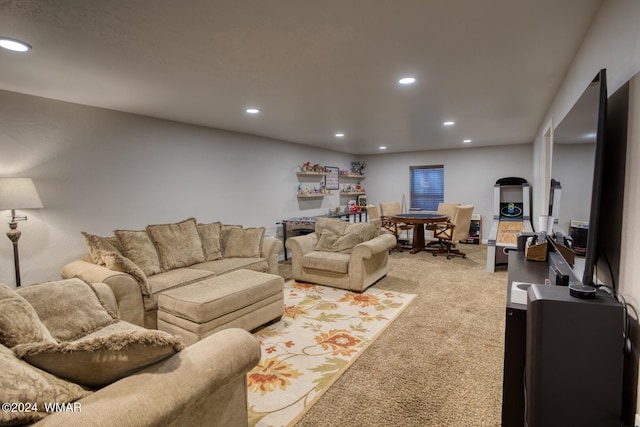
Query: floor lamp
(17, 193)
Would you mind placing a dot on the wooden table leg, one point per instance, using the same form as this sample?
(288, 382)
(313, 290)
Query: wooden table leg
(418, 238)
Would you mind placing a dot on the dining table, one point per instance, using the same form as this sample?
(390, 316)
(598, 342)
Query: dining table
(419, 220)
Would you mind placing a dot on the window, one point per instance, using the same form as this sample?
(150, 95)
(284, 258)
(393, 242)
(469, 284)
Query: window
(427, 187)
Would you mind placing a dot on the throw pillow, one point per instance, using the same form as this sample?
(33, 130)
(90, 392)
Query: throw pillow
(178, 244)
(115, 261)
(68, 308)
(24, 383)
(138, 247)
(331, 242)
(210, 236)
(99, 361)
(366, 230)
(98, 243)
(244, 243)
(225, 232)
(335, 226)
(19, 322)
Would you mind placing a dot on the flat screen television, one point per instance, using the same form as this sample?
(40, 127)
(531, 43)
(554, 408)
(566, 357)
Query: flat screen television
(588, 160)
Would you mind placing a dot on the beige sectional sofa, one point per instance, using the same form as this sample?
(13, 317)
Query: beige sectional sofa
(350, 256)
(67, 360)
(139, 265)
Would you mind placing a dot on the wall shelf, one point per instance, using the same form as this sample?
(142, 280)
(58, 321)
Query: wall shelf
(311, 196)
(312, 174)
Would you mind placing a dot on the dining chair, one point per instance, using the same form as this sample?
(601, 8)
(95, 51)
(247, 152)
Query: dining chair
(387, 211)
(450, 233)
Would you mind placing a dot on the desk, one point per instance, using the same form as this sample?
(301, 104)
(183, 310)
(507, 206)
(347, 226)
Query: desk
(419, 219)
(306, 225)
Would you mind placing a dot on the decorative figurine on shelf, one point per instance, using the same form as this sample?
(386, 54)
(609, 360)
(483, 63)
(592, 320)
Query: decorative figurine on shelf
(353, 206)
(318, 168)
(306, 167)
(357, 168)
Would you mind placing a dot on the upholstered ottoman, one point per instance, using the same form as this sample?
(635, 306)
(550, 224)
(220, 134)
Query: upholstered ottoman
(240, 299)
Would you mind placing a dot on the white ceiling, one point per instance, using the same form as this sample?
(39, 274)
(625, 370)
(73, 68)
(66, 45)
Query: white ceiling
(314, 68)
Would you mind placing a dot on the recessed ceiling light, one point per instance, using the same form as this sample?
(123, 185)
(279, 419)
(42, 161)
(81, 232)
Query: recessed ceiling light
(407, 80)
(382, 147)
(252, 110)
(467, 141)
(449, 123)
(339, 135)
(14, 45)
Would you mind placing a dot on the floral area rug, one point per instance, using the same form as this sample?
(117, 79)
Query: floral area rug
(322, 332)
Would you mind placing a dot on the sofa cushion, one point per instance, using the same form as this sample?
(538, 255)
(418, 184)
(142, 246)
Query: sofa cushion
(101, 360)
(178, 244)
(327, 261)
(226, 265)
(210, 237)
(117, 262)
(176, 277)
(138, 247)
(55, 301)
(98, 243)
(19, 322)
(24, 383)
(244, 242)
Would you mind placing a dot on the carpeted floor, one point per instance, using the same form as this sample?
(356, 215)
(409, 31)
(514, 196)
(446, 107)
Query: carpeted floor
(440, 362)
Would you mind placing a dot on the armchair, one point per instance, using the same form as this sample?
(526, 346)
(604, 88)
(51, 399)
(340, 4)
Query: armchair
(353, 268)
(449, 234)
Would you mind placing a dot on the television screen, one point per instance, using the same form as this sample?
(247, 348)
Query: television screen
(588, 158)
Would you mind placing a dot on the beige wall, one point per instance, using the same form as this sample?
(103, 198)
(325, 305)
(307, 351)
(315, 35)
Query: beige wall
(98, 170)
(469, 175)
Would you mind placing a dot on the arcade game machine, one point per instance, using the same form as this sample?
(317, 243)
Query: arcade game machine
(554, 200)
(511, 215)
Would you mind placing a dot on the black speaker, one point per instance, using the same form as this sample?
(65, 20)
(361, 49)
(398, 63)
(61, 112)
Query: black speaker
(574, 359)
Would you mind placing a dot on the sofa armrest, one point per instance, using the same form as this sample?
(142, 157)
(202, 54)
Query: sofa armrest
(270, 250)
(204, 384)
(106, 297)
(125, 288)
(368, 249)
(302, 245)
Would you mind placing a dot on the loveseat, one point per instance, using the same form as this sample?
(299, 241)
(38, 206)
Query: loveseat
(65, 352)
(344, 255)
(139, 265)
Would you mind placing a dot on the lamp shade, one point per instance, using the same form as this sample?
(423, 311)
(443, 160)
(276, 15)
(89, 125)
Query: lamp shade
(18, 193)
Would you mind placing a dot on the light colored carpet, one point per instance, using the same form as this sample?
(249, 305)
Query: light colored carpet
(440, 362)
(323, 331)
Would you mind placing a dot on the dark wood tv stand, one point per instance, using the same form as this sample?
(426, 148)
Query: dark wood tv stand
(513, 402)
(564, 353)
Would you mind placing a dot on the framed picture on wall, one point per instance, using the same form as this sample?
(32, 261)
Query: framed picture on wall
(331, 179)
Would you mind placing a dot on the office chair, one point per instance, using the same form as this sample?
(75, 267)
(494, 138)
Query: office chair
(450, 233)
